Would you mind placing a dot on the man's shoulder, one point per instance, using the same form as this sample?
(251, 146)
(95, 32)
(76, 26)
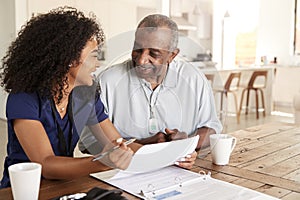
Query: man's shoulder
(186, 68)
(115, 73)
(117, 69)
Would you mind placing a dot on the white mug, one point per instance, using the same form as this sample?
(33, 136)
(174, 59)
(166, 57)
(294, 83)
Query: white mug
(25, 180)
(221, 146)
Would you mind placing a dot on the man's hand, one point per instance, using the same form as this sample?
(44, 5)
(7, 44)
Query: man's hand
(157, 138)
(171, 134)
(188, 161)
(175, 134)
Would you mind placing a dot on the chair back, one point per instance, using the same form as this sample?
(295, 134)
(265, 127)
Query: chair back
(233, 81)
(254, 79)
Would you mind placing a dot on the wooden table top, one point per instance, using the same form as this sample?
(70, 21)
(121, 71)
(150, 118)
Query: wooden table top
(266, 159)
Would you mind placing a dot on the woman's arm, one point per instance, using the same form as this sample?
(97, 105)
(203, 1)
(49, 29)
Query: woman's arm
(107, 127)
(111, 133)
(34, 140)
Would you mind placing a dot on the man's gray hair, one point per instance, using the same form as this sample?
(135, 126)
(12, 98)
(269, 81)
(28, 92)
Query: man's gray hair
(157, 21)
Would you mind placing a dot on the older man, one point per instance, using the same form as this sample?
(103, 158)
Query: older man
(154, 98)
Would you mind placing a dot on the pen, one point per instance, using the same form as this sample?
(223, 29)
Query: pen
(98, 157)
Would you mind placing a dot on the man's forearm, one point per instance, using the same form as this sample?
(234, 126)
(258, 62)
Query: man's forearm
(204, 133)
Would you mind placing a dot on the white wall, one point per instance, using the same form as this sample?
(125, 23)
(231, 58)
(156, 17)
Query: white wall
(7, 34)
(114, 16)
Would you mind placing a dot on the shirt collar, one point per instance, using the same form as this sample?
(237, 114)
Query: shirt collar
(169, 81)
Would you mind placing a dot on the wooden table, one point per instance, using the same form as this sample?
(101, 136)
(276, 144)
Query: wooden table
(266, 159)
(50, 189)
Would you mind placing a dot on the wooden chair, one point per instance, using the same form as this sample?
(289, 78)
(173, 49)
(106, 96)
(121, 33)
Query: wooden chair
(231, 86)
(256, 87)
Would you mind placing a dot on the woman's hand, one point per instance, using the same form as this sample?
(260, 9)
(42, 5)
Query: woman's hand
(121, 157)
(117, 154)
(188, 161)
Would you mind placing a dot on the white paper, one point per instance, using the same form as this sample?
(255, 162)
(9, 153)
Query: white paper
(155, 156)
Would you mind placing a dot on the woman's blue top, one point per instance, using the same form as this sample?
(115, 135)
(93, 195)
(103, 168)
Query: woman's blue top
(32, 106)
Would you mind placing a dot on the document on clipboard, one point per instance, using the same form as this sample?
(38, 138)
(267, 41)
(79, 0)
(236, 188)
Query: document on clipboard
(151, 176)
(171, 183)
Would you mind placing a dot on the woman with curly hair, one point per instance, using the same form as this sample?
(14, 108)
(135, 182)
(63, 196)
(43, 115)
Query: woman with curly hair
(47, 71)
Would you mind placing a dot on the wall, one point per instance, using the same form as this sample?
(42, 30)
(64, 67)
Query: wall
(7, 34)
(276, 31)
(114, 16)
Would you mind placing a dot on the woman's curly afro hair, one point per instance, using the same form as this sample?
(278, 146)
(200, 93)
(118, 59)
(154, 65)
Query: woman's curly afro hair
(41, 56)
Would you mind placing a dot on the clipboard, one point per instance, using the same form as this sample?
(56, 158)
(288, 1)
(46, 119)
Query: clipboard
(151, 175)
(176, 183)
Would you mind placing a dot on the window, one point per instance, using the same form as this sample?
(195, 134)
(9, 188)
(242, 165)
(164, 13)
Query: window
(246, 17)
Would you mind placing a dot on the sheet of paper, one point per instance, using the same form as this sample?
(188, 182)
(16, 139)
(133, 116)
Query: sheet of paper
(155, 156)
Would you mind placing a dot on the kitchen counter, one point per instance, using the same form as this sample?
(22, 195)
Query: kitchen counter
(286, 85)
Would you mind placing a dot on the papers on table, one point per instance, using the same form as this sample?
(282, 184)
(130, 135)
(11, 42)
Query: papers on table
(150, 176)
(177, 183)
(155, 156)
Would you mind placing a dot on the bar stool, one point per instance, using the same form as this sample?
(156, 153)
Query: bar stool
(256, 87)
(231, 86)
